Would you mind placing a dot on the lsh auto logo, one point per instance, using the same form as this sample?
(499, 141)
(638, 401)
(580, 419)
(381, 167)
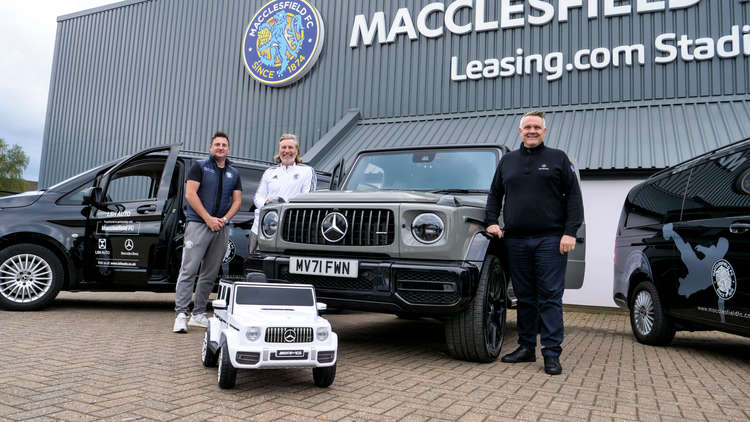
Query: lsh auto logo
(282, 41)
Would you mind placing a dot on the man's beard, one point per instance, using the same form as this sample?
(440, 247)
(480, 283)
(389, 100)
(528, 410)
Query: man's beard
(287, 161)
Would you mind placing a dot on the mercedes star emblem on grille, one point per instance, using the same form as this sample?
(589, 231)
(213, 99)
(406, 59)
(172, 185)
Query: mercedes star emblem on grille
(334, 227)
(289, 336)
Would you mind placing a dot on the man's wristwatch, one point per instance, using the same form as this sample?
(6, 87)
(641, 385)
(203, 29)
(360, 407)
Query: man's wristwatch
(226, 220)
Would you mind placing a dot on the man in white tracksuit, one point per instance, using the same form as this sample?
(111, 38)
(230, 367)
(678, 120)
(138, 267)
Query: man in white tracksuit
(285, 181)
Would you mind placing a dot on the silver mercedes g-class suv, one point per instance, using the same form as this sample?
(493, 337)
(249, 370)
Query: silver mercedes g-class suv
(403, 233)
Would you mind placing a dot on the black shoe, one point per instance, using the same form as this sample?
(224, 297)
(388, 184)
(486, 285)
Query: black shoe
(522, 354)
(552, 365)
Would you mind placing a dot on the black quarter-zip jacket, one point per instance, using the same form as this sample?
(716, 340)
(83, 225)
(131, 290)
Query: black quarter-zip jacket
(539, 193)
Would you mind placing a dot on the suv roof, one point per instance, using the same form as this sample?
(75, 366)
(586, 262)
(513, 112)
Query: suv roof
(441, 146)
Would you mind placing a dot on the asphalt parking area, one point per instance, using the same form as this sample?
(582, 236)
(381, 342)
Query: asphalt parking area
(113, 356)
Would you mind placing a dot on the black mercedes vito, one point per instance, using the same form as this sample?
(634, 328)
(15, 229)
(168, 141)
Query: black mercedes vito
(115, 227)
(682, 251)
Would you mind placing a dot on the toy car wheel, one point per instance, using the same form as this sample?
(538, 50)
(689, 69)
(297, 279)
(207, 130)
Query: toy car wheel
(31, 276)
(323, 377)
(647, 319)
(476, 334)
(227, 372)
(208, 357)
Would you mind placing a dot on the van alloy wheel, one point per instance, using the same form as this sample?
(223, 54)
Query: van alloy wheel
(643, 312)
(648, 319)
(25, 278)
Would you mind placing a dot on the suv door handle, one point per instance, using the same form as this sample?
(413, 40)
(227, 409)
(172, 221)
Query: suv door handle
(738, 228)
(146, 208)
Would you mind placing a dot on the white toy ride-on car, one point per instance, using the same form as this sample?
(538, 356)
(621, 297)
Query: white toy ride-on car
(262, 325)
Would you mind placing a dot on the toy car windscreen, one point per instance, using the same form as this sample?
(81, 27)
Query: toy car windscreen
(274, 296)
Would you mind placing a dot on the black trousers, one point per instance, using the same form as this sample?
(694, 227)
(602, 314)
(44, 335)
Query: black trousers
(537, 271)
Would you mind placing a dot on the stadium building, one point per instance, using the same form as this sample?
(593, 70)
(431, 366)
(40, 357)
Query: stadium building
(629, 86)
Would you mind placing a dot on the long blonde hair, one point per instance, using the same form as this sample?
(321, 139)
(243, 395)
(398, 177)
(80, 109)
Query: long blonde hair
(298, 158)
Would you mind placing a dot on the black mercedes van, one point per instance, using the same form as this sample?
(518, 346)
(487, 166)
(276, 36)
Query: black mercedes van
(682, 250)
(117, 227)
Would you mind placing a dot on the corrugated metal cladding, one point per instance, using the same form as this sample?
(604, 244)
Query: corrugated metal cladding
(641, 135)
(143, 73)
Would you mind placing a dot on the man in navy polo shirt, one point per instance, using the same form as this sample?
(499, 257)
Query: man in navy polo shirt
(542, 211)
(214, 194)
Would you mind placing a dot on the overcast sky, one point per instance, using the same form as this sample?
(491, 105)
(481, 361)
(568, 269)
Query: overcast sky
(27, 42)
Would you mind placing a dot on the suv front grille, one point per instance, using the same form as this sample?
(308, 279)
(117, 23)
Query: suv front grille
(289, 334)
(427, 287)
(366, 227)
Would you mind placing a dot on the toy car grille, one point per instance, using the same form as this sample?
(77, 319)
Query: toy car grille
(326, 357)
(247, 358)
(366, 227)
(289, 335)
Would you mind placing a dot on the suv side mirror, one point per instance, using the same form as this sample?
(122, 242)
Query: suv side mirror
(322, 307)
(92, 196)
(337, 175)
(219, 304)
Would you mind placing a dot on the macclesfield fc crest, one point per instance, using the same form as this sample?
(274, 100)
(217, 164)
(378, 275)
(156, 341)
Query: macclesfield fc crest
(282, 41)
(725, 282)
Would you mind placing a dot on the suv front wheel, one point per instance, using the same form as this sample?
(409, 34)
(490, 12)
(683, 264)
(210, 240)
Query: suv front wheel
(476, 334)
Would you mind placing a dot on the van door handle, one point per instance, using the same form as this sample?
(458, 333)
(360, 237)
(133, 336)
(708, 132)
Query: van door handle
(739, 228)
(146, 208)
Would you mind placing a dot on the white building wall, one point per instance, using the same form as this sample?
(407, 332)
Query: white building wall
(602, 204)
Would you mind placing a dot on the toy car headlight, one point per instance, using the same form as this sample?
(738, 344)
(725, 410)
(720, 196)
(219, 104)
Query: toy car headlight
(270, 223)
(252, 333)
(427, 228)
(322, 333)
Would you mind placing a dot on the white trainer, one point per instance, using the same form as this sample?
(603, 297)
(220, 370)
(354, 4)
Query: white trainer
(198, 320)
(180, 323)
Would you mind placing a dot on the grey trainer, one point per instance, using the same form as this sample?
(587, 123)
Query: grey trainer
(198, 320)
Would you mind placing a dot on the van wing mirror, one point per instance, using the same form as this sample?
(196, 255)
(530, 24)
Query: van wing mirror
(219, 304)
(93, 196)
(321, 307)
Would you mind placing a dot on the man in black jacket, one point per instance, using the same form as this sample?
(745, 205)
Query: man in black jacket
(542, 210)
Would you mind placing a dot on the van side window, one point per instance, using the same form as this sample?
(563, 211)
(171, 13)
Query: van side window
(75, 197)
(657, 201)
(719, 188)
(138, 181)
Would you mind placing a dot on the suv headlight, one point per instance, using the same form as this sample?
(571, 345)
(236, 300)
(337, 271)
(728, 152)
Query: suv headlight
(427, 228)
(270, 223)
(322, 333)
(253, 333)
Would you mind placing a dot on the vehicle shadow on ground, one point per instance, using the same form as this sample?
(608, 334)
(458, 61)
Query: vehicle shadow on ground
(728, 346)
(390, 334)
(91, 302)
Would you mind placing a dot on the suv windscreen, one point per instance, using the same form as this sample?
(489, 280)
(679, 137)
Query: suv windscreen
(425, 170)
(274, 296)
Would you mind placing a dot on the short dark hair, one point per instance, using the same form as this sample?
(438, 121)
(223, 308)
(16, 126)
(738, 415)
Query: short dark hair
(219, 134)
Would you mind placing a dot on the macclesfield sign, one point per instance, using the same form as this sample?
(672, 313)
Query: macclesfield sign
(282, 41)
(666, 48)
